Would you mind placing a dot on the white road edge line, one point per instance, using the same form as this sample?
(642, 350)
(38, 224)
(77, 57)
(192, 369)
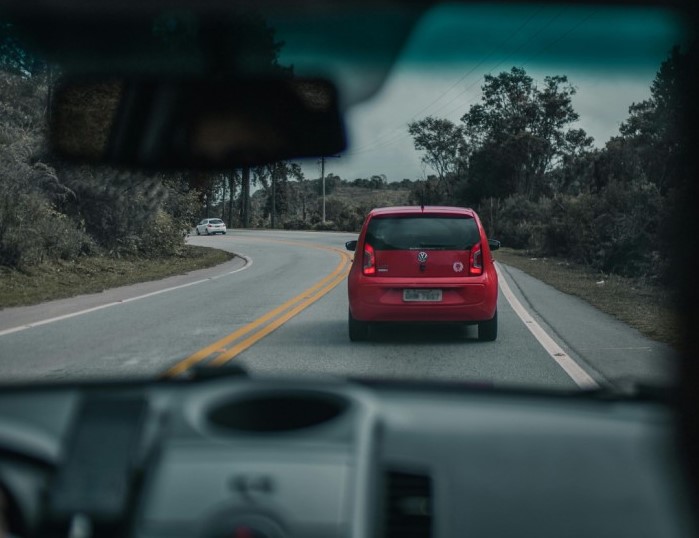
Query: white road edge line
(248, 264)
(572, 368)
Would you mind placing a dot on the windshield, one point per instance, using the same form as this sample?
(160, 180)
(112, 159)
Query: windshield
(559, 125)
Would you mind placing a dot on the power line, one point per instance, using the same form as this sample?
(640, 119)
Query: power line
(378, 143)
(473, 69)
(542, 50)
(506, 60)
(458, 81)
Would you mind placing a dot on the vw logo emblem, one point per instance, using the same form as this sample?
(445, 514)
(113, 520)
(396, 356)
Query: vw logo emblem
(422, 257)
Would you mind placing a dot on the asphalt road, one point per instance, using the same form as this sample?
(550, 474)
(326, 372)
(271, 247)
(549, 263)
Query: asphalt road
(280, 308)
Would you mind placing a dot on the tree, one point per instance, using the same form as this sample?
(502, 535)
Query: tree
(281, 198)
(444, 147)
(378, 181)
(653, 125)
(522, 130)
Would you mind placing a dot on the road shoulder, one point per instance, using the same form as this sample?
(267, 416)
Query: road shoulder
(20, 316)
(607, 348)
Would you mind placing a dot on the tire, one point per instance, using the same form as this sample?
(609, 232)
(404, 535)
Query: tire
(198, 233)
(488, 330)
(358, 330)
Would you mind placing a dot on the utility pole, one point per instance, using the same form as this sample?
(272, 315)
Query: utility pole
(322, 177)
(274, 196)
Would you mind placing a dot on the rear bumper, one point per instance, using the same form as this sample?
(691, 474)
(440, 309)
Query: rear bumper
(463, 300)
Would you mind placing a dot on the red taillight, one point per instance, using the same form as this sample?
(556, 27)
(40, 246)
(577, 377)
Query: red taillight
(369, 265)
(475, 266)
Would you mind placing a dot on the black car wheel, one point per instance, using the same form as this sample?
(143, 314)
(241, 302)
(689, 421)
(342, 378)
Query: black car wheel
(358, 330)
(488, 330)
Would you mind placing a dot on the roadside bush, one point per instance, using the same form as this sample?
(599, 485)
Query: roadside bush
(130, 214)
(346, 217)
(296, 224)
(615, 231)
(181, 203)
(163, 237)
(618, 230)
(31, 232)
(516, 221)
(327, 226)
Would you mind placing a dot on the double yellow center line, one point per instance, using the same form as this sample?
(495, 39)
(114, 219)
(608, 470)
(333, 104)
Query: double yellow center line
(228, 347)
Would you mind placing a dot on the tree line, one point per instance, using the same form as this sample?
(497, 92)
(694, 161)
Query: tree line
(540, 184)
(285, 198)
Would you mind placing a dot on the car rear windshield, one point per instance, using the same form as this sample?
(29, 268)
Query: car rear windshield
(215, 221)
(422, 232)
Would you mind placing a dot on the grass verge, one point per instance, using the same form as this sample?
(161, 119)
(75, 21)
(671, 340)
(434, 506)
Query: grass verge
(94, 274)
(644, 306)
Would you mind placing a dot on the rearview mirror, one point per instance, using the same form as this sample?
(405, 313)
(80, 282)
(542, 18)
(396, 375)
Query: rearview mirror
(195, 123)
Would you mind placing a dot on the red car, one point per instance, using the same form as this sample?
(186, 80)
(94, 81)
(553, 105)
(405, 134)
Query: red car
(423, 264)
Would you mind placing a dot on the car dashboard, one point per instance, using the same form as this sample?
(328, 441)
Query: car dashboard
(243, 457)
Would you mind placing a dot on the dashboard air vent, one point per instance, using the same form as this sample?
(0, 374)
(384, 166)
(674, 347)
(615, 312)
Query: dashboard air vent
(408, 505)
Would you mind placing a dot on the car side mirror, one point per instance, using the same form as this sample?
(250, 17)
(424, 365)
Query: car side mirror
(351, 245)
(494, 244)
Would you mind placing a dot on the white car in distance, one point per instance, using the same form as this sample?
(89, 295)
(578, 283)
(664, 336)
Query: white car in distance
(211, 226)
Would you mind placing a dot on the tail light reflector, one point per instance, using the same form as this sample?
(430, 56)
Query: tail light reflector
(475, 266)
(369, 262)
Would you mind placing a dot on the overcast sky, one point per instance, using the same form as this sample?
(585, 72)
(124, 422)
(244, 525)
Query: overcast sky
(610, 56)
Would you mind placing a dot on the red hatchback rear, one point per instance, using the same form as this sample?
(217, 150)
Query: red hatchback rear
(423, 264)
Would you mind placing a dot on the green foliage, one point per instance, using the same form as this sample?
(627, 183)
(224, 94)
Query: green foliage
(517, 221)
(295, 224)
(428, 192)
(375, 182)
(538, 185)
(32, 232)
(332, 182)
(163, 238)
(519, 133)
(327, 226)
(444, 147)
(50, 211)
(616, 231)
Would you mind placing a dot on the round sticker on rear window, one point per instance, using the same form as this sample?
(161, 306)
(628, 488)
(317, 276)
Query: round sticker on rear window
(458, 267)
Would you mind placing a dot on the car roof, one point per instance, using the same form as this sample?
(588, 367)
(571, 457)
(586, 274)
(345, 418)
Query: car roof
(420, 210)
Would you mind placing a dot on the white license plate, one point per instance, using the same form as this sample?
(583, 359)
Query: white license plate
(422, 295)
